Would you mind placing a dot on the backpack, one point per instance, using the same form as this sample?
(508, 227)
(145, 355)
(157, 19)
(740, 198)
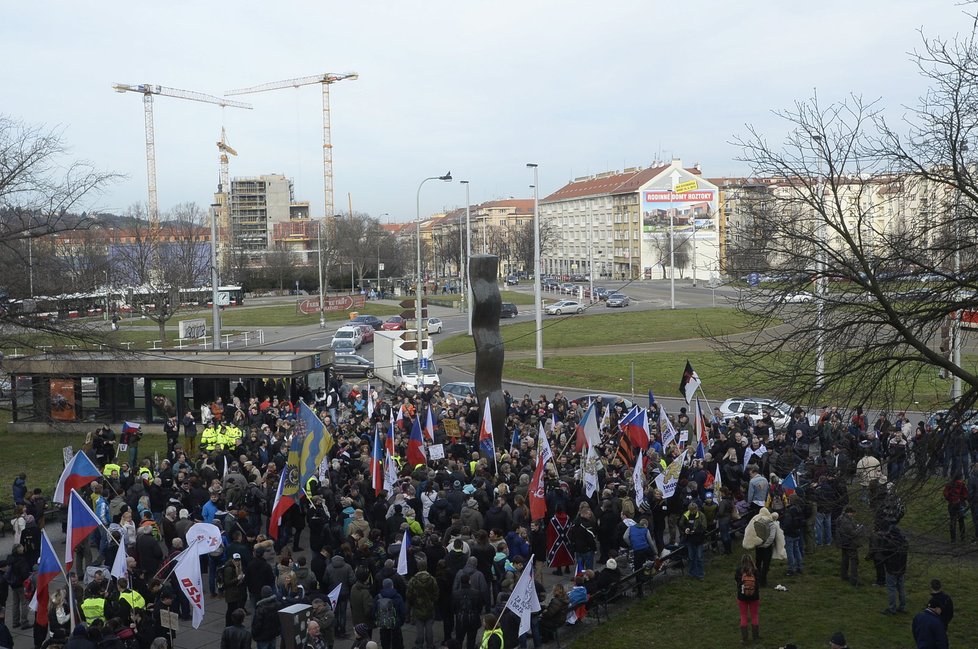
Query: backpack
(386, 617)
(748, 584)
(466, 614)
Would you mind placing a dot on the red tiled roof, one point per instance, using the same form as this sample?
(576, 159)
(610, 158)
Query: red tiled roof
(519, 205)
(617, 183)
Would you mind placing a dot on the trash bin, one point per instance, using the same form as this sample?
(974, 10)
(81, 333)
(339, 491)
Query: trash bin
(354, 314)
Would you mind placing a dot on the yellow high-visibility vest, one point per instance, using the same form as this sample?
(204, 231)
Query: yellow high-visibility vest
(93, 609)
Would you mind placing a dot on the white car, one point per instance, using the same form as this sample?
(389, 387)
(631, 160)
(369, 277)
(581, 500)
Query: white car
(755, 408)
(801, 296)
(435, 325)
(351, 333)
(565, 306)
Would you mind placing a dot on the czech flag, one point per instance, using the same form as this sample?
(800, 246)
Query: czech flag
(48, 567)
(789, 485)
(131, 427)
(279, 506)
(486, 442)
(429, 426)
(636, 426)
(415, 449)
(78, 473)
(82, 521)
(587, 429)
(376, 465)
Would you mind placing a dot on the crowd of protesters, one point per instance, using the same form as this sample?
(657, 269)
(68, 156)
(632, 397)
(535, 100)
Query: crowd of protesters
(468, 516)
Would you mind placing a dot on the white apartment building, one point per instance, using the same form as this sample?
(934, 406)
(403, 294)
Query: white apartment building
(618, 224)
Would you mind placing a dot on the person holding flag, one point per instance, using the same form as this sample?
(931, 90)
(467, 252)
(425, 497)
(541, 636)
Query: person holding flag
(415, 450)
(487, 444)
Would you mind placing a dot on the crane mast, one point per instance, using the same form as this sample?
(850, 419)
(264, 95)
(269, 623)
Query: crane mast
(325, 80)
(147, 90)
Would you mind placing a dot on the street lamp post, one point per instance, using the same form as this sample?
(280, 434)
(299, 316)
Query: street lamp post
(820, 280)
(215, 309)
(467, 251)
(322, 299)
(536, 264)
(417, 288)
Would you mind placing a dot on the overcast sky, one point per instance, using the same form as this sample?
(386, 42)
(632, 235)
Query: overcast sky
(476, 87)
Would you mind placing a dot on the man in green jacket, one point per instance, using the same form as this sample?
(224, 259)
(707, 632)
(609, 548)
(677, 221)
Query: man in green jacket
(422, 597)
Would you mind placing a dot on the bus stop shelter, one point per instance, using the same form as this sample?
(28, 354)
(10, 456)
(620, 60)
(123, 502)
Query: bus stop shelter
(76, 389)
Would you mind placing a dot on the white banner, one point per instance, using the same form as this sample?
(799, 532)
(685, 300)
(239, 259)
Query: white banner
(523, 601)
(204, 538)
(590, 471)
(669, 479)
(187, 572)
(638, 477)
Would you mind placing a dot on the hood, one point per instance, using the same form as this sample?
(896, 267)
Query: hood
(389, 592)
(338, 561)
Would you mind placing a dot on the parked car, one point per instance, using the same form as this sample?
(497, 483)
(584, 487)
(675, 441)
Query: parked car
(568, 288)
(548, 282)
(755, 408)
(617, 300)
(342, 347)
(459, 389)
(435, 325)
(508, 310)
(600, 293)
(394, 323)
(350, 332)
(512, 280)
(367, 319)
(353, 365)
(565, 306)
(367, 333)
(800, 296)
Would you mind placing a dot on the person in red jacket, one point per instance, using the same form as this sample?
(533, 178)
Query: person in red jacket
(956, 495)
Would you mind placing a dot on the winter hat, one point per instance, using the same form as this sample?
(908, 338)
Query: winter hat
(266, 591)
(611, 564)
(468, 489)
(361, 630)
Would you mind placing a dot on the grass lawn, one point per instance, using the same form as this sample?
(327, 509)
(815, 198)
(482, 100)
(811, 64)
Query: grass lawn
(39, 455)
(816, 604)
(517, 297)
(661, 371)
(618, 327)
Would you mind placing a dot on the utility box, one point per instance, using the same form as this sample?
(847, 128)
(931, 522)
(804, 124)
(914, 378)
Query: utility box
(295, 622)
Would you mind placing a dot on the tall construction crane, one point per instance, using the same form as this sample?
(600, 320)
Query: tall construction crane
(325, 80)
(225, 149)
(147, 90)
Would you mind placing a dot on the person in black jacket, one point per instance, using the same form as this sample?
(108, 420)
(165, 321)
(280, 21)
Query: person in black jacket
(893, 550)
(17, 571)
(258, 574)
(792, 521)
(236, 636)
(583, 537)
(265, 625)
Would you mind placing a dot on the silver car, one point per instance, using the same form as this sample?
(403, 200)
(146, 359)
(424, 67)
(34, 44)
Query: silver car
(617, 300)
(565, 306)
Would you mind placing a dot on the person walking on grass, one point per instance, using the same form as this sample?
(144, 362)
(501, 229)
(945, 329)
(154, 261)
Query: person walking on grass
(748, 597)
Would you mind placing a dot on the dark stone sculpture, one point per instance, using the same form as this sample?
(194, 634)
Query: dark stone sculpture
(489, 352)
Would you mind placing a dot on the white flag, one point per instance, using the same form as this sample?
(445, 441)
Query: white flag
(402, 567)
(187, 572)
(119, 566)
(334, 595)
(716, 479)
(543, 447)
(204, 538)
(370, 402)
(668, 480)
(523, 601)
(390, 474)
(638, 477)
(590, 471)
(670, 435)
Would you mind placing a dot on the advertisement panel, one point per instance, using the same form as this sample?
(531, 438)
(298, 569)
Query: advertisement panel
(683, 208)
(333, 303)
(63, 399)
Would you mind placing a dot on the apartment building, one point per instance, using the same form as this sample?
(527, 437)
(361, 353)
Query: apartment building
(618, 224)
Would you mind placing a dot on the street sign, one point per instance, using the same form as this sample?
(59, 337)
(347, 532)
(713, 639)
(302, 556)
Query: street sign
(409, 313)
(409, 341)
(193, 329)
(380, 266)
(336, 303)
(424, 364)
(753, 279)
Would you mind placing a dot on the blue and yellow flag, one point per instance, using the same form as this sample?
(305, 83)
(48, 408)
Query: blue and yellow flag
(315, 445)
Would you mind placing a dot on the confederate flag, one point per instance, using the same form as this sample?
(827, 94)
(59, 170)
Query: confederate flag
(558, 543)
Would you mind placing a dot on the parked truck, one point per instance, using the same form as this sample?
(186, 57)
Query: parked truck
(393, 364)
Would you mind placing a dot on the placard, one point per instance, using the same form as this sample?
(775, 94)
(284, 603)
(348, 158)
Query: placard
(170, 620)
(683, 436)
(451, 428)
(436, 452)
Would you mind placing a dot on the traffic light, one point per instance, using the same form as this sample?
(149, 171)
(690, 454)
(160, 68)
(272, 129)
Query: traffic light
(410, 313)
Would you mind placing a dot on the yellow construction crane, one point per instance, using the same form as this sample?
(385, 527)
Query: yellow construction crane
(325, 80)
(147, 90)
(225, 149)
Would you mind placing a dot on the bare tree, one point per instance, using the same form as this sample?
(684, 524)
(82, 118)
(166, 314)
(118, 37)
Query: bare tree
(520, 241)
(279, 265)
(42, 192)
(159, 261)
(885, 218)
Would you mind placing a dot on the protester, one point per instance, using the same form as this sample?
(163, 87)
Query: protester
(928, 630)
(748, 597)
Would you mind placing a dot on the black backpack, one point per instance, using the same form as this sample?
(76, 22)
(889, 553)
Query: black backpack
(466, 613)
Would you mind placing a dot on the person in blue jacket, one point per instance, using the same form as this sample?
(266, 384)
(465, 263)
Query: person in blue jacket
(928, 629)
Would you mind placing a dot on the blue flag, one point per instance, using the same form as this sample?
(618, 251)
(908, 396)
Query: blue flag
(315, 445)
(651, 398)
(516, 439)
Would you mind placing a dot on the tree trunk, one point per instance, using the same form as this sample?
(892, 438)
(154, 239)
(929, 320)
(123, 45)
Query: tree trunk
(162, 325)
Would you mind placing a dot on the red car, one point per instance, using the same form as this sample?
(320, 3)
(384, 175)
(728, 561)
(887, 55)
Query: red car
(368, 333)
(394, 323)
